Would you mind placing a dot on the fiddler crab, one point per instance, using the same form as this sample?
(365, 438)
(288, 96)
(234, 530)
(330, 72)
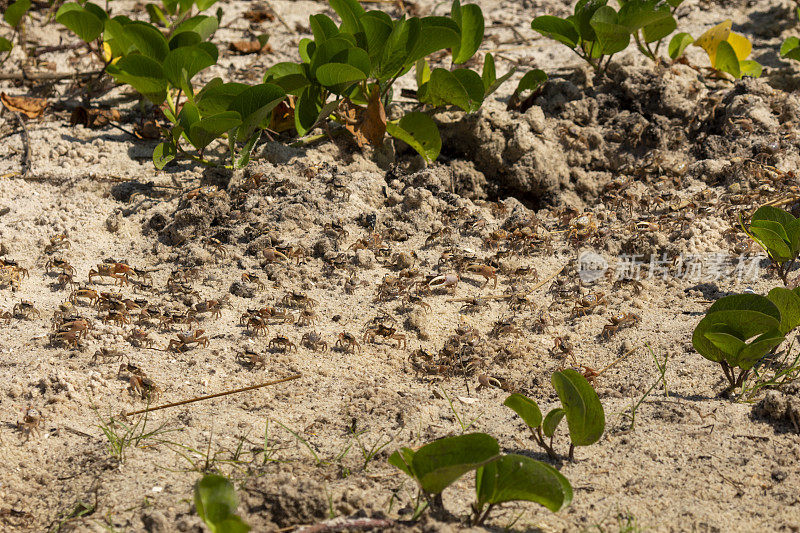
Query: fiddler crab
(620, 320)
(184, 340)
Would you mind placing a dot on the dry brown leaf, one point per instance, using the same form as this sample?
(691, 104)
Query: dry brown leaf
(27, 105)
(259, 15)
(351, 115)
(250, 47)
(93, 117)
(147, 129)
(283, 116)
(373, 124)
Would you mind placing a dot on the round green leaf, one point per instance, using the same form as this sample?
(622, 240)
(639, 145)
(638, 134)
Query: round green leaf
(147, 40)
(561, 30)
(678, 44)
(611, 36)
(350, 11)
(395, 57)
(15, 12)
(183, 63)
(584, 11)
(520, 478)
(790, 45)
(163, 154)
(254, 105)
(435, 33)
(376, 26)
(750, 68)
(636, 14)
(5, 45)
(470, 22)
(203, 25)
(323, 27)
(216, 501)
(339, 74)
(420, 132)
(216, 96)
(440, 463)
(551, 421)
(202, 5)
(584, 412)
(80, 21)
(726, 60)
(658, 30)
(788, 302)
(143, 74)
(757, 349)
(526, 408)
(532, 80)
(185, 38)
(204, 131)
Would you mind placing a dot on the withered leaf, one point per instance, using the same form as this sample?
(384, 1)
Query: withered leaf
(91, 117)
(282, 118)
(373, 125)
(259, 15)
(27, 105)
(147, 129)
(250, 47)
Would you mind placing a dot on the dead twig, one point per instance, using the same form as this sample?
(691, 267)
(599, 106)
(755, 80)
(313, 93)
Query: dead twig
(26, 144)
(217, 395)
(349, 524)
(47, 76)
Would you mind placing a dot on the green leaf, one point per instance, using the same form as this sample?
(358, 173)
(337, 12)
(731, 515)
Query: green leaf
(323, 27)
(750, 68)
(156, 15)
(163, 154)
(306, 109)
(247, 150)
(636, 14)
(561, 30)
(216, 96)
(350, 11)
(377, 26)
(396, 54)
(470, 23)
(584, 11)
(254, 105)
(184, 38)
(678, 44)
(423, 72)
(462, 88)
(584, 412)
(202, 5)
(726, 60)
(15, 12)
(772, 242)
(757, 349)
(403, 459)
(203, 25)
(520, 478)
(611, 36)
(338, 74)
(143, 74)
(290, 77)
(216, 502)
(727, 343)
(207, 129)
(181, 64)
(659, 30)
(5, 45)
(532, 80)
(435, 33)
(551, 421)
(147, 40)
(420, 132)
(489, 73)
(788, 302)
(526, 408)
(80, 21)
(438, 464)
(790, 45)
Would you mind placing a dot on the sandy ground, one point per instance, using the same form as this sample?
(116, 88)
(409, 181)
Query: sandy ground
(662, 158)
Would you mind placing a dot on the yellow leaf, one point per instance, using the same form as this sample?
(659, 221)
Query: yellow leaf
(107, 55)
(740, 45)
(710, 40)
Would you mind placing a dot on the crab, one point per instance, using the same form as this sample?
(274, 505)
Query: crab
(117, 271)
(253, 359)
(117, 317)
(282, 344)
(257, 324)
(139, 337)
(139, 383)
(271, 255)
(64, 279)
(313, 341)
(25, 309)
(68, 337)
(85, 292)
(503, 328)
(107, 353)
(347, 343)
(488, 272)
(386, 332)
(307, 318)
(445, 281)
(209, 306)
(620, 320)
(217, 249)
(79, 325)
(297, 299)
(7, 316)
(185, 339)
(30, 422)
(582, 226)
(59, 264)
(57, 242)
(587, 304)
(253, 278)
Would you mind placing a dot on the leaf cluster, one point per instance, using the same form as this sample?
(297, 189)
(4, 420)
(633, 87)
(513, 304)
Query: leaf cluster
(14, 16)
(740, 329)
(498, 478)
(596, 31)
(579, 404)
(727, 51)
(347, 71)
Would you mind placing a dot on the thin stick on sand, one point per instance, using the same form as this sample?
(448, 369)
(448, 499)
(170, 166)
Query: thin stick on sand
(217, 395)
